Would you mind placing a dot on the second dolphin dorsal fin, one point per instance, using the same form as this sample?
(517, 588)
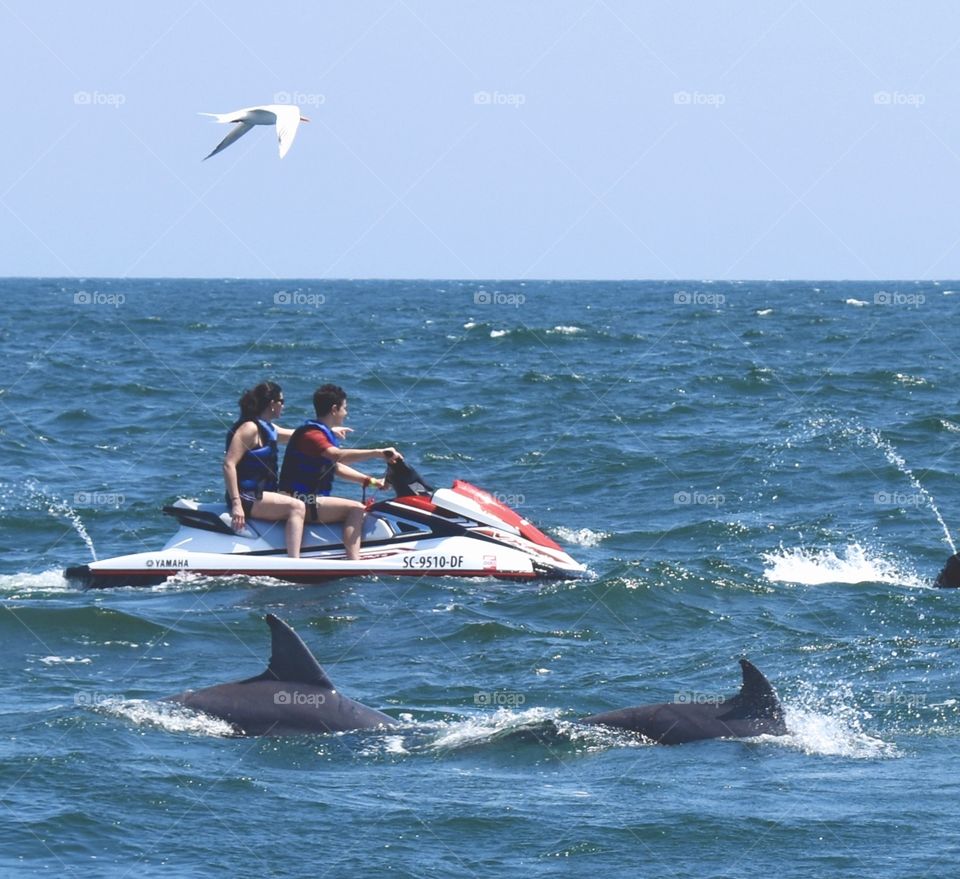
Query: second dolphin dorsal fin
(756, 698)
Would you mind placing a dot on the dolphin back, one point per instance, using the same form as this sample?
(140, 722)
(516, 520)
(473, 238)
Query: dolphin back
(949, 577)
(294, 695)
(754, 711)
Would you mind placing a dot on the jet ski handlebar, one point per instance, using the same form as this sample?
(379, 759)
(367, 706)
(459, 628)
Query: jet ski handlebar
(404, 479)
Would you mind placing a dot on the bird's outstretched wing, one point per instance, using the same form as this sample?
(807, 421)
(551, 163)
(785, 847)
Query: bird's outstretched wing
(288, 121)
(235, 134)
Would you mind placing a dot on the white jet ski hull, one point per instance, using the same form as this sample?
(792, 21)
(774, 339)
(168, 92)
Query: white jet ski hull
(460, 532)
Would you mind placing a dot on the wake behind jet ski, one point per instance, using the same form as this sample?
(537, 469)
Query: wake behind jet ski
(461, 531)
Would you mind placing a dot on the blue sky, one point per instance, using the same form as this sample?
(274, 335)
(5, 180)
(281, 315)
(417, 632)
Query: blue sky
(601, 139)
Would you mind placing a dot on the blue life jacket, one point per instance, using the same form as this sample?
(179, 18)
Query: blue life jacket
(304, 474)
(257, 469)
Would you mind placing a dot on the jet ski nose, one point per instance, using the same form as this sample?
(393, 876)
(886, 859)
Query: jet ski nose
(85, 577)
(79, 575)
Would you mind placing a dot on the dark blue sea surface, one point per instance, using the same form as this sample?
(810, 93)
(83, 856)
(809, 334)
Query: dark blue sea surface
(760, 469)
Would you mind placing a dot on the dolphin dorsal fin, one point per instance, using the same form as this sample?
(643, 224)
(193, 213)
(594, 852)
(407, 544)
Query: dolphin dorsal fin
(757, 696)
(291, 659)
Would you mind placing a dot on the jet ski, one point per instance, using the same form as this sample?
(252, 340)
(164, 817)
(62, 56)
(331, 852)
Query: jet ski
(462, 531)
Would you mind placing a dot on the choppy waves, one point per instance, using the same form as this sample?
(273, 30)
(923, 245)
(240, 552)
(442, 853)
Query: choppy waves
(754, 468)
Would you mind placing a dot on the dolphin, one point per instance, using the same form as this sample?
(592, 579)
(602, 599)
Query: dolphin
(754, 711)
(949, 577)
(293, 696)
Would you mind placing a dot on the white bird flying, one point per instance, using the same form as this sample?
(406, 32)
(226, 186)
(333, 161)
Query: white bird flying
(286, 117)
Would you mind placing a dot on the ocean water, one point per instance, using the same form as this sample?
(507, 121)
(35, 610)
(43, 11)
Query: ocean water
(748, 469)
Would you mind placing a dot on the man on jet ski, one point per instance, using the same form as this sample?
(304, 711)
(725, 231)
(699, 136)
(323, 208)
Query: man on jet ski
(314, 457)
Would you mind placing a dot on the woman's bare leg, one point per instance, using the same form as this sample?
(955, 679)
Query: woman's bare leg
(276, 507)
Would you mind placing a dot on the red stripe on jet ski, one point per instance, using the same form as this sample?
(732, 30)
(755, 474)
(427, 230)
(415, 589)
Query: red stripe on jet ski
(489, 504)
(421, 503)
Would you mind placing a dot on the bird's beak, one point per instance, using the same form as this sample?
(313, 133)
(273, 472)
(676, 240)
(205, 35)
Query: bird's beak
(304, 119)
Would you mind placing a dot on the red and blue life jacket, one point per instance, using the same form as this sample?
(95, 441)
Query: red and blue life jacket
(308, 475)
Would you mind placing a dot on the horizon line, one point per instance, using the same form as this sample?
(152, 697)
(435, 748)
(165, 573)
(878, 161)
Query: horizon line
(224, 278)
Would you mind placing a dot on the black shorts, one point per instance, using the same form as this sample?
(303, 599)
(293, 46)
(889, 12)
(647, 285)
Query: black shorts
(247, 499)
(312, 503)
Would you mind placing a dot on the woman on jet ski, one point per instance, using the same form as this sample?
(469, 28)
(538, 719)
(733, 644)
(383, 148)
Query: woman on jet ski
(251, 467)
(314, 457)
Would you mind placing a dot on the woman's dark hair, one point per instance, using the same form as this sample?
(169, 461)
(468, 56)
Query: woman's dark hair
(327, 397)
(255, 400)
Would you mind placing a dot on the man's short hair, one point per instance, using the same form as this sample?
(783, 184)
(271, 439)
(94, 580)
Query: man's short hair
(326, 398)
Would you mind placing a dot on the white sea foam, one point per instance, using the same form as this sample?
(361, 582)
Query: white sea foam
(395, 745)
(168, 716)
(496, 334)
(580, 536)
(853, 564)
(45, 581)
(763, 312)
(566, 330)
(911, 380)
(66, 660)
(483, 728)
(826, 724)
(384, 746)
(633, 583)
(859, 303)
